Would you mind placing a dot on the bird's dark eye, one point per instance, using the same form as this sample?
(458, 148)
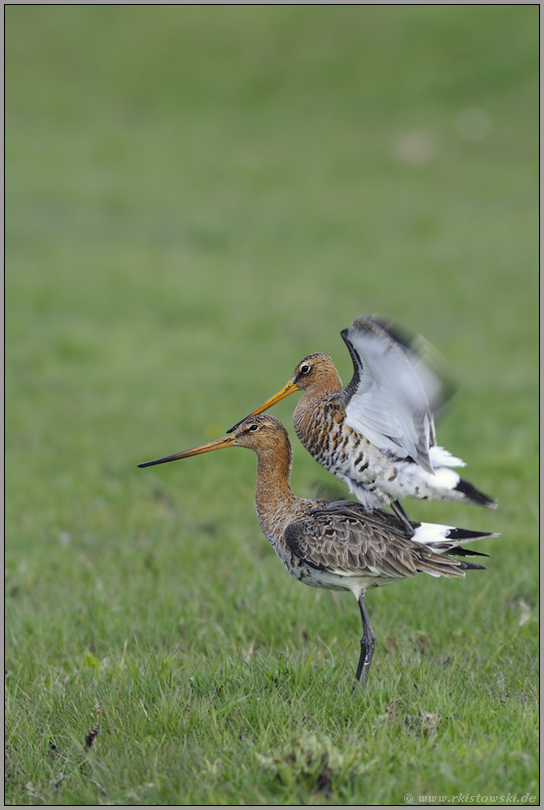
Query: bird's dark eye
(305, 368)
(254, 427)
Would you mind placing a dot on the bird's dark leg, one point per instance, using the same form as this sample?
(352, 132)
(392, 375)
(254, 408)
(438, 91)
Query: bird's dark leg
(403, 517)
(368, 643)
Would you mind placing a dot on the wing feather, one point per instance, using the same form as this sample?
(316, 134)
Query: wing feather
(345, 543)
(394, 392)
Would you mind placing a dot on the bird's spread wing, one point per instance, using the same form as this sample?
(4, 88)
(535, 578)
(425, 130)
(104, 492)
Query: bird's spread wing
(353, 546)
(394, 391)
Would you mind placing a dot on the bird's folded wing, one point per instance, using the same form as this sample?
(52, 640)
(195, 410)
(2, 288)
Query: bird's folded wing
(350, 545)
(344, 544)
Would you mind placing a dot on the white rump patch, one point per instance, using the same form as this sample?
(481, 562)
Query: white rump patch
(429, 533)
(443, 458)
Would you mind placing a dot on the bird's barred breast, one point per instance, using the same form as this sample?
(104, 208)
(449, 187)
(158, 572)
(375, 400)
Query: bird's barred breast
(338, 448)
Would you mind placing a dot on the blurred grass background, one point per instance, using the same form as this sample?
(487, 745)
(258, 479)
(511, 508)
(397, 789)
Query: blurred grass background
(196, 198)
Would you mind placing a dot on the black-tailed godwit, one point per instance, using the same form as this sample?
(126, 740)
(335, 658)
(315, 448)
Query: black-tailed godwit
(377, 435)
(338, 545)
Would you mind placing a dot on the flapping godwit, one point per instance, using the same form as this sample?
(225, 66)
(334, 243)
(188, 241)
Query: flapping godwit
(337, 545)
(377, 434)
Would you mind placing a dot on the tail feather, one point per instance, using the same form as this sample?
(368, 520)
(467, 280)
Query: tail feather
(469, 535)
(472, 494)
(466, 552)
(447, 540)
(438, 566)
(458, 536)
(473, 566)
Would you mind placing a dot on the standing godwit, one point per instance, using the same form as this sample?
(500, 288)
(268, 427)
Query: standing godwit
(377, 434)
(337, 545)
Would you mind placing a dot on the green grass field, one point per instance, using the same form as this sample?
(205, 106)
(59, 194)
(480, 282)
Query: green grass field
(196, 198)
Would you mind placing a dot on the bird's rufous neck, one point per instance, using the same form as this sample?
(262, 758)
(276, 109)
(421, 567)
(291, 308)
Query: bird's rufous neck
(327, 384)
(276, 505)
(310, 410)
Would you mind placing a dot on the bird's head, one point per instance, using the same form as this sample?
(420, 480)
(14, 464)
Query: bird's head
(315, 370)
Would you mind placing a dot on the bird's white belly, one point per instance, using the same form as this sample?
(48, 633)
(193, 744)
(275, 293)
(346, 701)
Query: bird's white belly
(357, 584)
(410, 480)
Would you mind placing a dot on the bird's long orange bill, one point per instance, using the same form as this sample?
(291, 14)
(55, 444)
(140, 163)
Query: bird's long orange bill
(218, 444)
(287, 389)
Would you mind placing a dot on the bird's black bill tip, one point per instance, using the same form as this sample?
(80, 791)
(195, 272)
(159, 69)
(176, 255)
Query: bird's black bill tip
(156, 461)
